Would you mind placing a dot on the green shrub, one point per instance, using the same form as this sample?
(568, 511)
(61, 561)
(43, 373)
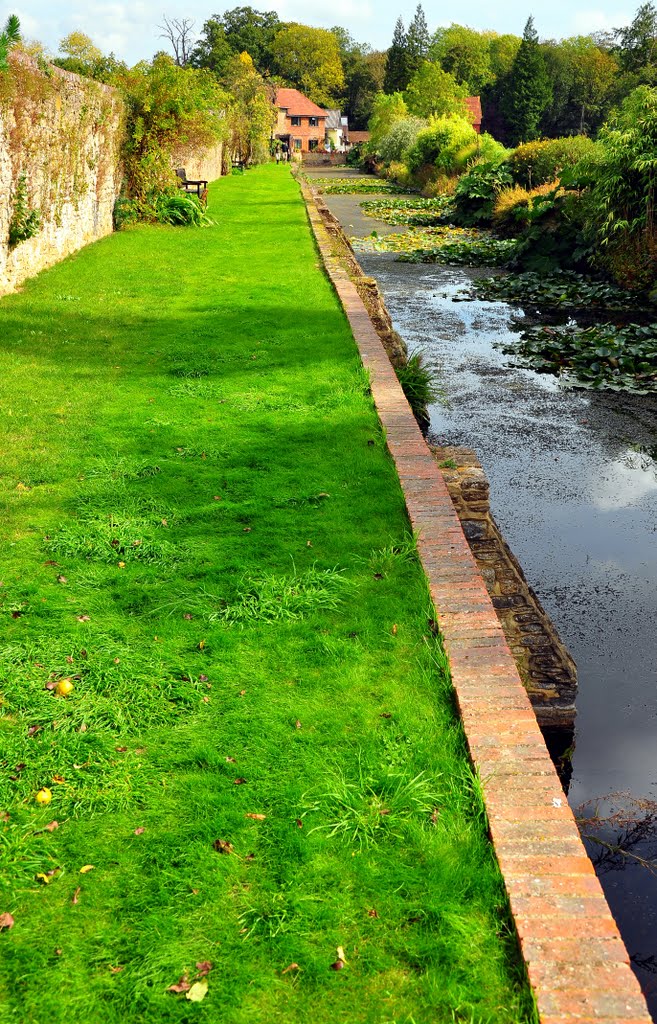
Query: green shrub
(356, 155)
(623, 193)
(477, 190)
(401, 137)
(442, 144)
(181, 210)
(419, 384)
(537, 163)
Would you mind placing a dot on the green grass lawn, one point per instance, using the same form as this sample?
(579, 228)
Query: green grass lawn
(202, 529)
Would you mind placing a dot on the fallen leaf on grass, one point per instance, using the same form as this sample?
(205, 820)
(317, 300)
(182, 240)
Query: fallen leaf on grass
(297, 724)
(340, 953)
(239, 782)
(435, 815)
(299, 823)
(69, 659)
(394, 629)
(372, 913)
(59, 780)
(84, 618)
(4, 816)
(231, 760)
(33, 730)
(255, 817)
(117, 970)
(120, 750)
(47, 876)
(87, 867)
(51, 826)
(241, 693)
(197, 992)
(62, 579)
(139, 831)
(6, 922)
(204, 966)
(222, 846)
(181, 986)
(291, 967)
(76, 895)
(140, 750)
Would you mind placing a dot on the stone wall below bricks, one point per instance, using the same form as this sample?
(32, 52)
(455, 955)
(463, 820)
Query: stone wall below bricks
(546, 668)
(201, 165)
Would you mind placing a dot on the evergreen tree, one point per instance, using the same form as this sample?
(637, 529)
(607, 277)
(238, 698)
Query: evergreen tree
(637, 44)
(397, 74)
(528, 89)
(418, 41)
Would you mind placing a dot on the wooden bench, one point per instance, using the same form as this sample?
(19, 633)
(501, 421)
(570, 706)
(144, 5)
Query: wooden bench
(200, 188)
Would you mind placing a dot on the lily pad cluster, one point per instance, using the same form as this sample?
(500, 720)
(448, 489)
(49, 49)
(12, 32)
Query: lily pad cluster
(366, 186)
(416, 212)
(447, 245)
(484, 251)
(599, 357)
(564, 288)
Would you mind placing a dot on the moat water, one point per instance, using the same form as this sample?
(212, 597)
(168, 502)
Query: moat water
(573, 485)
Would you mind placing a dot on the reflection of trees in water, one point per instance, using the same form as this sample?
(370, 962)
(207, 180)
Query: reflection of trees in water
(617, 853)
(622, 836)
(622, 839)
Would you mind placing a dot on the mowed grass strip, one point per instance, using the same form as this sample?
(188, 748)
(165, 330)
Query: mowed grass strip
(260, 758)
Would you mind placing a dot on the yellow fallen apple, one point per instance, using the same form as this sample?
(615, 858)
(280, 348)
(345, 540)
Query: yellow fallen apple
(64, 687)
(44, 796)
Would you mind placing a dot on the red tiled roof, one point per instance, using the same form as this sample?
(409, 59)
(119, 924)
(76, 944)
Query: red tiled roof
(358, 136)
(296, 104)
(473, 103)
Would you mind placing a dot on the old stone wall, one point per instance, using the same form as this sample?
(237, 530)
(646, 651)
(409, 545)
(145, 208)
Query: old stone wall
(545, 666)
(62, 135)
(201, 165)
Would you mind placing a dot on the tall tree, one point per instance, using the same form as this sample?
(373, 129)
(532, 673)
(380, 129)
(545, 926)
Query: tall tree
(433, 92)
(637, 43)
(309, 58)
(179, 32)
(241, 30)
(398, 74)
(582, 77)
(527, 90)
(417, 40)
(466, 54)
(361, 80)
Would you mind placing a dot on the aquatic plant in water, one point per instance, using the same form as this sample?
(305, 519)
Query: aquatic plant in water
(599, 357)
(564, 288)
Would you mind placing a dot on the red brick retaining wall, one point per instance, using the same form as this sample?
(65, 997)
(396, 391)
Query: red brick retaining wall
(576, 960)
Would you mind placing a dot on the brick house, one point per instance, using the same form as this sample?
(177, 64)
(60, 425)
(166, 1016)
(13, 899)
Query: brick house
(473, 103)
(301, 123)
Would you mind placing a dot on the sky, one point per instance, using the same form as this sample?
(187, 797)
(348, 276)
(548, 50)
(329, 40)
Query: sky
(131, 31)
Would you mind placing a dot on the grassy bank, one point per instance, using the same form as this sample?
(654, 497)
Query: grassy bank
(259, 759)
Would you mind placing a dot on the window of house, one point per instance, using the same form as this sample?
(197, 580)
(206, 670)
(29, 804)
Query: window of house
(296, 121)
(312, 122)
(297, 143)
(312, 144)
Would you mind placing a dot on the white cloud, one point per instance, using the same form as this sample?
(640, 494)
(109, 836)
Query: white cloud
(588, 21)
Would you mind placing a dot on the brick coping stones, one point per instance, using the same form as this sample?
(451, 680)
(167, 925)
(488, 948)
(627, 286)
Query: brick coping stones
(577, 963)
